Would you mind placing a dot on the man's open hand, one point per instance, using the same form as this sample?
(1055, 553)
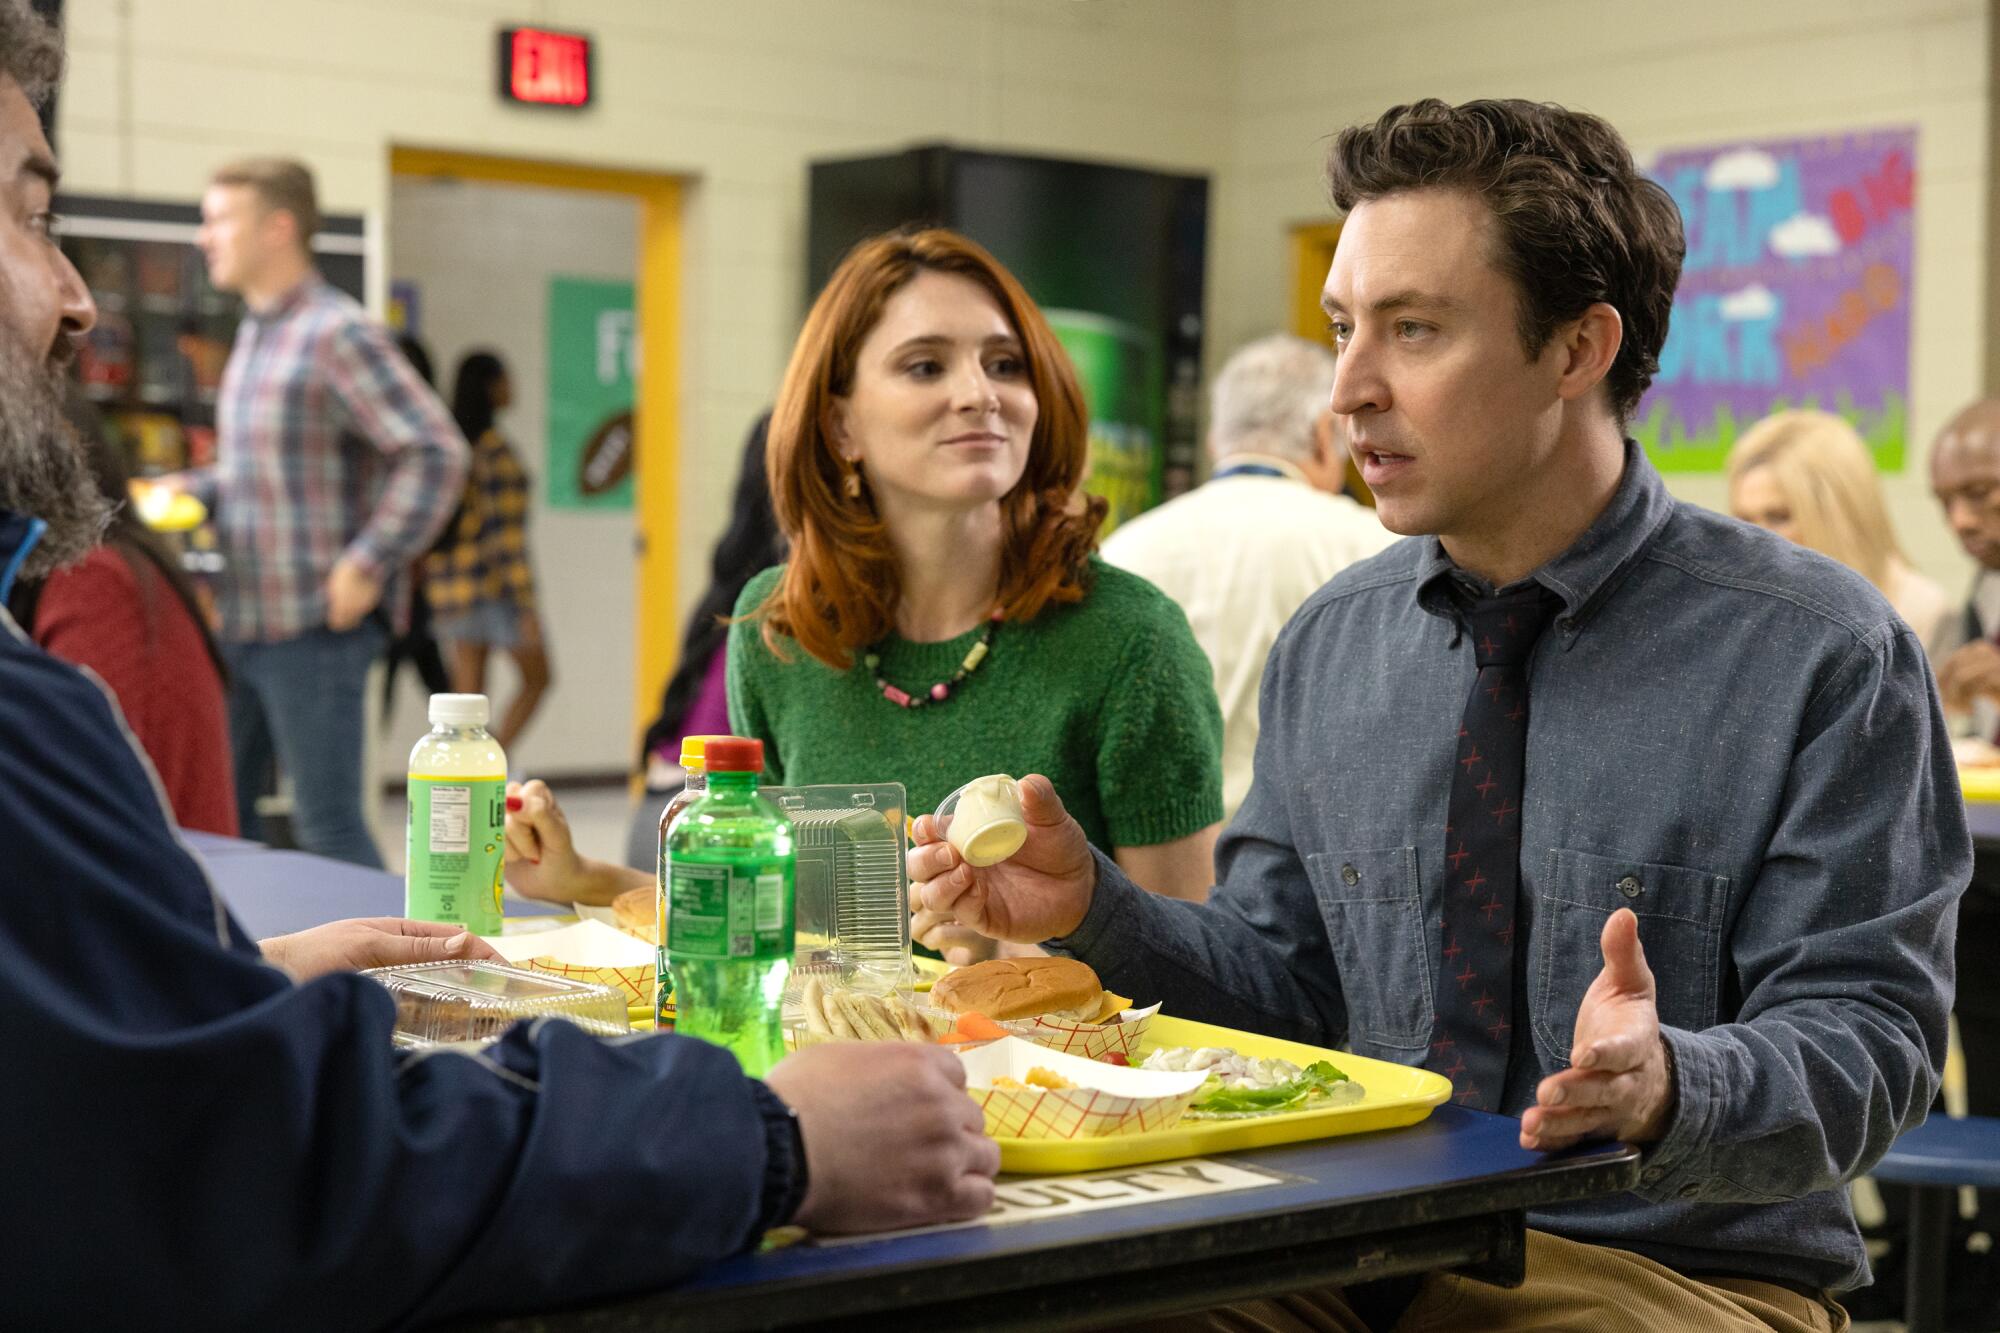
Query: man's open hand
(1617, 1085)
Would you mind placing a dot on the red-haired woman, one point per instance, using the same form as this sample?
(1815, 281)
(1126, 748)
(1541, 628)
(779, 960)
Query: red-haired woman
(941, 615)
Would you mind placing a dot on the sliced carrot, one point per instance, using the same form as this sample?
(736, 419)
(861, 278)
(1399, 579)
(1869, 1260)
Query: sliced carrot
(978, 1027)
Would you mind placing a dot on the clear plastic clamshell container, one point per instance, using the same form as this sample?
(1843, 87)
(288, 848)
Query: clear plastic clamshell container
(852, 916)
(440, 1003)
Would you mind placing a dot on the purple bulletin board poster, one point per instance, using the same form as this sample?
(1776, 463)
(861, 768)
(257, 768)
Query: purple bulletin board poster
(1795, 293)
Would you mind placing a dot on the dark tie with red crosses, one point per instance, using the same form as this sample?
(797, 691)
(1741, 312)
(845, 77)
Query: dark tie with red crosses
(1483, 851)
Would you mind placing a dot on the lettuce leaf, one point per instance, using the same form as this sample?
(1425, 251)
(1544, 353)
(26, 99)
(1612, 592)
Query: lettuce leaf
(1316, 1081)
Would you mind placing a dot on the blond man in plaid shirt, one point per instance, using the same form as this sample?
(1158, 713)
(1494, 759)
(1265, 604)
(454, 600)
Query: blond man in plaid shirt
(336, 466)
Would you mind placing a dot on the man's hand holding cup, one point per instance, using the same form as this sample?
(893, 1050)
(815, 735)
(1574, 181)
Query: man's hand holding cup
(1040, 892)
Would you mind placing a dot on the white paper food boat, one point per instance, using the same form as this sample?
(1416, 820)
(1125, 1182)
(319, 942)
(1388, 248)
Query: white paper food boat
(1107, 1099)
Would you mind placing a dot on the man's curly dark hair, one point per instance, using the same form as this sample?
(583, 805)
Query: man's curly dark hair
(1576, 221)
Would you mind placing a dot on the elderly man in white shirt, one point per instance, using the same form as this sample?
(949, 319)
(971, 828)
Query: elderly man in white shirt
(1241, 552)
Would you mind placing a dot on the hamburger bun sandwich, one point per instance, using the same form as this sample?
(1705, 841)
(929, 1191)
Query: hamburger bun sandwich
(638, 913)
(1008, 988)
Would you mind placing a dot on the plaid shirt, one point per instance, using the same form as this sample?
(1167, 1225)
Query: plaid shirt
(328, 445)
(486, 557)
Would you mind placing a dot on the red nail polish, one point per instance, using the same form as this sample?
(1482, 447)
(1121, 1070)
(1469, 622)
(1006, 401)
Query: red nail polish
(513, 804)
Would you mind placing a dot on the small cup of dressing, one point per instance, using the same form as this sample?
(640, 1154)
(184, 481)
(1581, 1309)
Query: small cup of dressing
(983, 820)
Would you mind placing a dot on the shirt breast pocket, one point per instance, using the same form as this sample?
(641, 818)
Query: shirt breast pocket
(1375, 924)
(1680, 926)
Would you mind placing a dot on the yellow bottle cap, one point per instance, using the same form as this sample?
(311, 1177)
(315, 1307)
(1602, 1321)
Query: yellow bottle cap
(694, 750)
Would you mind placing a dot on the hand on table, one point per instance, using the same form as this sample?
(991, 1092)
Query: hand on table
(1617, 1085)
(891, 1138)
(541, 857)
(1039, 892)
(1969, 674)
(351, 593)
(376, 941)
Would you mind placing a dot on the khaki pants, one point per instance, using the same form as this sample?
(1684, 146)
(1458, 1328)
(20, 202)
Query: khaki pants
(1569, 1286)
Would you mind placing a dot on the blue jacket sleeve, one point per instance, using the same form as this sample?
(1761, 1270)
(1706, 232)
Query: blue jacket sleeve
(189, 1131)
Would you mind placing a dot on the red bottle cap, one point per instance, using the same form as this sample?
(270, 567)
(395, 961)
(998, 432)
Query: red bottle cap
(734, 754)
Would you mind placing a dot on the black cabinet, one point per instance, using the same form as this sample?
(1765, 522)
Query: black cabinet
(1114, 256)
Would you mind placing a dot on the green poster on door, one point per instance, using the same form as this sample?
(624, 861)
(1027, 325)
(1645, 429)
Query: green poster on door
(593, 363)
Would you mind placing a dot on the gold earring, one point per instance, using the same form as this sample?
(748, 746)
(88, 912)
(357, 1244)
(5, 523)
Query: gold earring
(852, 485)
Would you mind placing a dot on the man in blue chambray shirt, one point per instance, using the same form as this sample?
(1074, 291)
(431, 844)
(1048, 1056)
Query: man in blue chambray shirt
(1740, 840)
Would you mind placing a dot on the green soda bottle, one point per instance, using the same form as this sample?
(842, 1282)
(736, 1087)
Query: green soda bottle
(458, 818)
(728, 929)
(694, 784)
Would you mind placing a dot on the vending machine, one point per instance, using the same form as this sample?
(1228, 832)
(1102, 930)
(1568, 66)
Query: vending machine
(1114, 256)
(153, 363)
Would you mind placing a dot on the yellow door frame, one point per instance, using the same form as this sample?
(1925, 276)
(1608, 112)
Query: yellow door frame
(656, 471)
(1312, 256)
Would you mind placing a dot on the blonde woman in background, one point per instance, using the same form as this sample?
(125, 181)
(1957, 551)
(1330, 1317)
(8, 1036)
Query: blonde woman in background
(1807, 476)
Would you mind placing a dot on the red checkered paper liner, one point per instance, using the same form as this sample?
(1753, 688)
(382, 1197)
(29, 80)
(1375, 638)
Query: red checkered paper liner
(1107, 1099)
(588, 950)
(1091, 1041)
(634, 984)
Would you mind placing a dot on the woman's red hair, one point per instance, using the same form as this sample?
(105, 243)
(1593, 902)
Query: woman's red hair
(840, 584)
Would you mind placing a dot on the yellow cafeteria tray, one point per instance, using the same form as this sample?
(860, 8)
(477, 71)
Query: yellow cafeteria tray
(1981, 783)
(1397, 1095)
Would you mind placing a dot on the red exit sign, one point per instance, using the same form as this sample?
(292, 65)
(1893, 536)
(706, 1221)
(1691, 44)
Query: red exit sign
(545, 68)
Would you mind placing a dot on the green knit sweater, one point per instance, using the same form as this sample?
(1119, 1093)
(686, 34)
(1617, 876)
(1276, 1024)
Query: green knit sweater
(1110, 697)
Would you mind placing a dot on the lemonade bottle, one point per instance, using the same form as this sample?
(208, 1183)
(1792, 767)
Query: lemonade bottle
(731, 873)
(458, 812)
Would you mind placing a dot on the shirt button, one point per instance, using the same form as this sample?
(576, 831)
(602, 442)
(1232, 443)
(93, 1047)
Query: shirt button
(1651, 1175)
(1689, 1190)
(1630, 886)
(1349, 875)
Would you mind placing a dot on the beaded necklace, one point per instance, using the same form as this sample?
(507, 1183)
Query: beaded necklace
(941, 691)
